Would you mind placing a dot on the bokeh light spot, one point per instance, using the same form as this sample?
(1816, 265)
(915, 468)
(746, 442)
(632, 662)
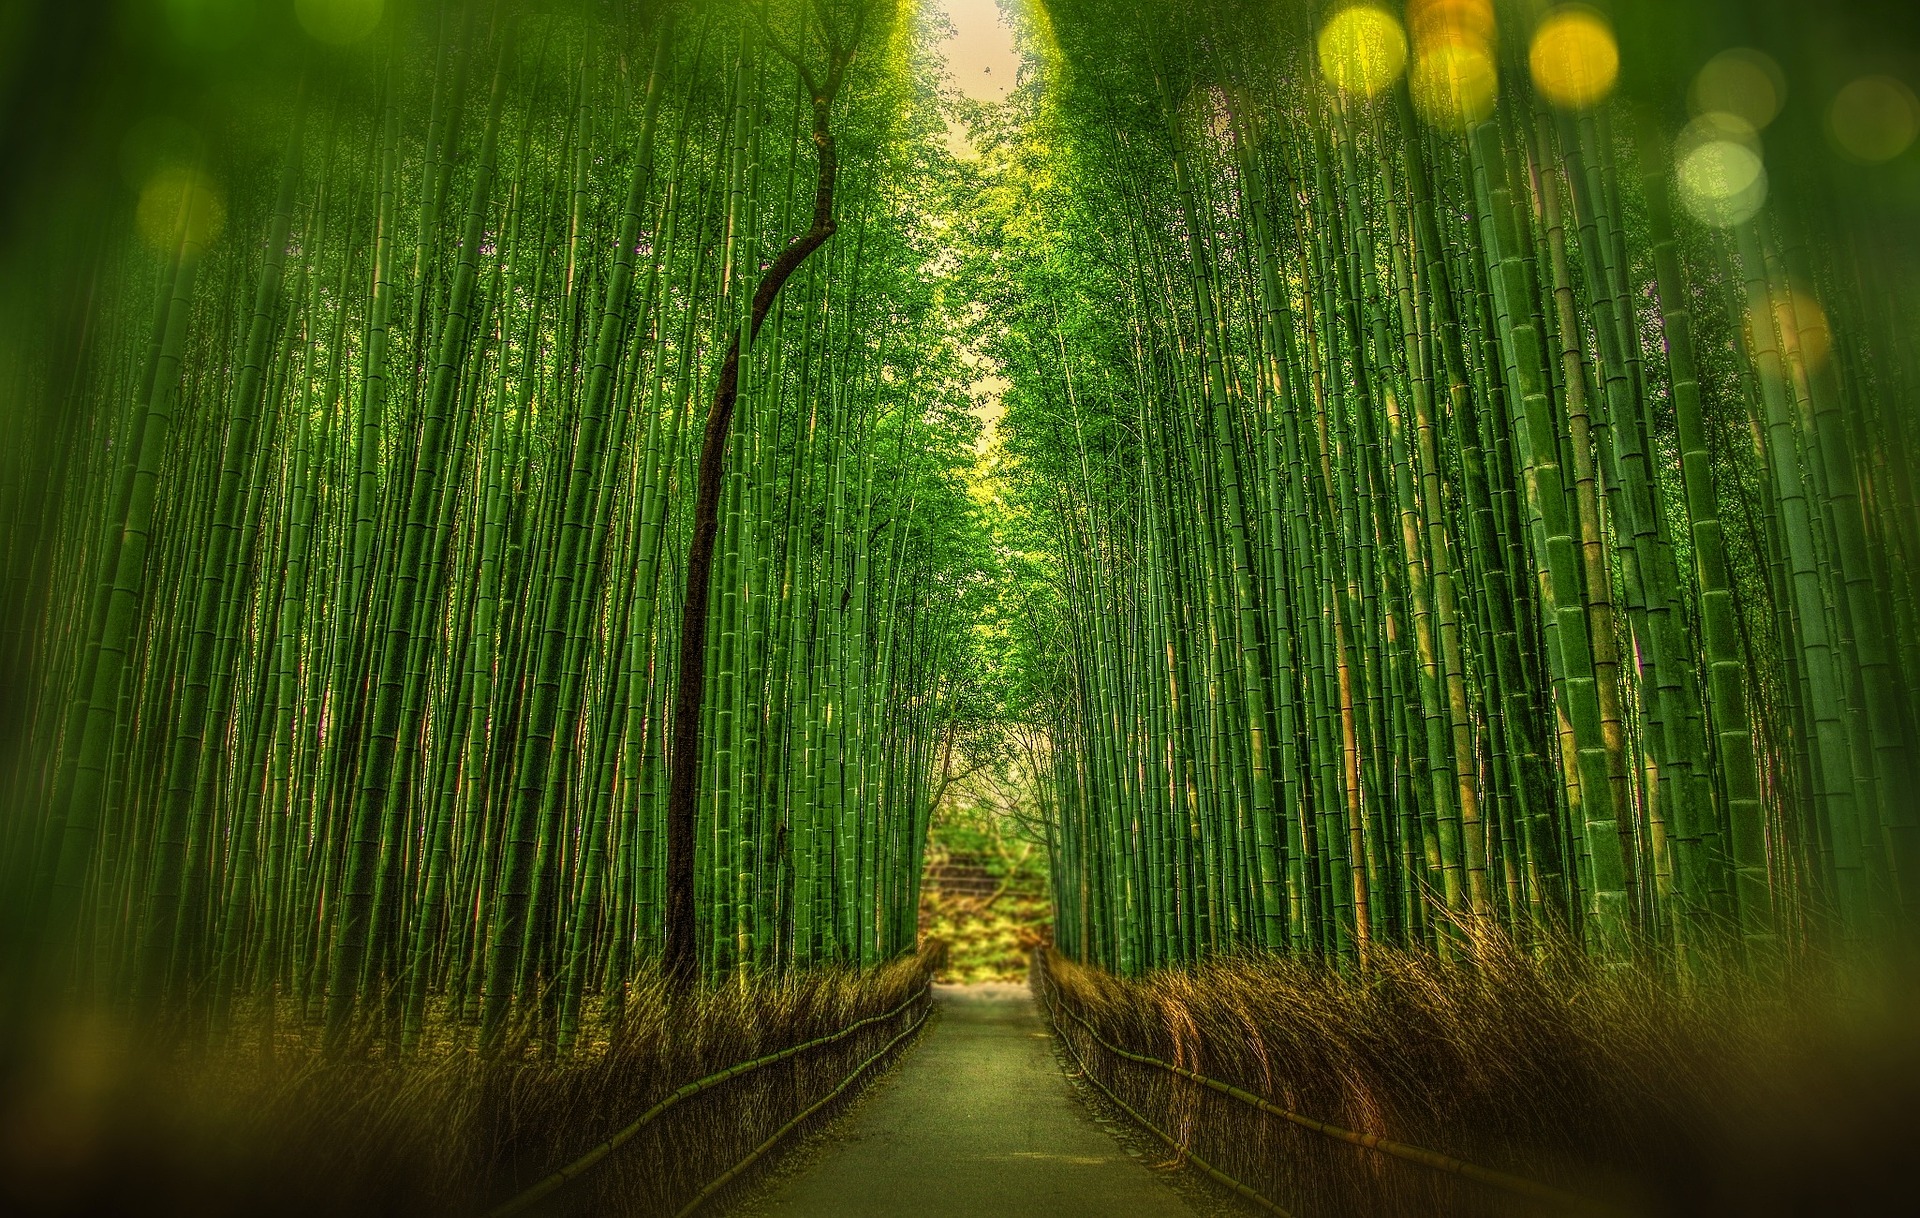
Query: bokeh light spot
(1574, 58)
(1742, 82)
(1455, 84)
(1803, 328)
(1722, 177)
(1432, 22)
(1362, 49)
(339, 22)
(1874, 119)
(178, 203)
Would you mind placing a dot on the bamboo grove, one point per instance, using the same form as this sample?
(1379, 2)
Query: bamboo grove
(359, 623)
(1447, 506)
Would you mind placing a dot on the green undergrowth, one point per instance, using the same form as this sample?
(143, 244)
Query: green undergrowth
(110, 1123)
(1729, 1097)
(985, 894)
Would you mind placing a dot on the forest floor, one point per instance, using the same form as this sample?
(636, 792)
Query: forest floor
(978, 1120)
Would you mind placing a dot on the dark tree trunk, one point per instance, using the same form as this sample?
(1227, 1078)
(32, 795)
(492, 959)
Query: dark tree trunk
(680, 961)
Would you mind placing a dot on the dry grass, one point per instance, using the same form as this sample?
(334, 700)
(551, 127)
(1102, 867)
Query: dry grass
(99, 1126)
(1732, 1098)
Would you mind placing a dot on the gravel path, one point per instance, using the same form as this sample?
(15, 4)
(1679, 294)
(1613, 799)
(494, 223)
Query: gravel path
(978, 1121)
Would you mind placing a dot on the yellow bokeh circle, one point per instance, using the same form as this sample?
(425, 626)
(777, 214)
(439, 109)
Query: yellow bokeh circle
(177, 204)
(1803, 329)
(339, 22)
(1874, 119)
(1362, 49)
(1435, 21)
(1793, 319)
(1574, 58)
(1742, 82)
(1720, 171)
(1455, 84)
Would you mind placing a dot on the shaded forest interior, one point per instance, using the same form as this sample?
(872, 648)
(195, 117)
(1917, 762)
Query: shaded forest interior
(529, 527)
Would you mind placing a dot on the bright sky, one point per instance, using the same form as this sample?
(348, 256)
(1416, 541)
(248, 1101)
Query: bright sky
(980, 55)
(981, 61)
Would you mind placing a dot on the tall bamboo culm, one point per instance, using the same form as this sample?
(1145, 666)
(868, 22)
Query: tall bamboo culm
(1453, 511)
(362, 602)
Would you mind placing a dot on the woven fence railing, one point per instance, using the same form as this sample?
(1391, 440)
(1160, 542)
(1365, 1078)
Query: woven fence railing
(551, 1183)
(1519, 1186)
(728, 1176)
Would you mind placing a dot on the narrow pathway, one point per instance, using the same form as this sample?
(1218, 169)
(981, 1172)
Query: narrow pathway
(976, 1121)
